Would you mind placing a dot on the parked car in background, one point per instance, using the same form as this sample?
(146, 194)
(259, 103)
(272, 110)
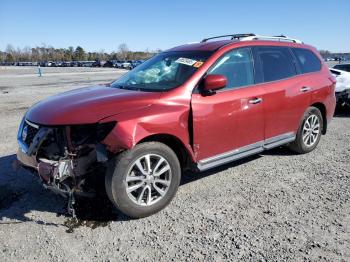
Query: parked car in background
(66, 64)
(118, 63)
(342, 88)
(7, 63)
(74, 64)
(47, 64)
(110, 63)
(97, 63)
(196, 106)
(86, 63)
(343, 67)
(127, 64)
(27, 63)
(136, 63)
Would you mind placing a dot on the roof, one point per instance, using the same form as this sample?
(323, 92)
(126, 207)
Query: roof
(203, 46)
(206, 45)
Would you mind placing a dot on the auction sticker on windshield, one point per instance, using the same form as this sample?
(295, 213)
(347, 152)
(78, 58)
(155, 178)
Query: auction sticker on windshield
(186, 61)
(198, 64)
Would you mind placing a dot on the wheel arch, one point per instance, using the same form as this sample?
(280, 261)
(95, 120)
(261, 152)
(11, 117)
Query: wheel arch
(320, 106)
(183, 154)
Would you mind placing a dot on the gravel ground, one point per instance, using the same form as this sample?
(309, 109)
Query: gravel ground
(273, 206)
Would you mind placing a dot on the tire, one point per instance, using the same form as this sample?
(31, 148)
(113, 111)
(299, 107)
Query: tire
(128, 170)
(300, 145)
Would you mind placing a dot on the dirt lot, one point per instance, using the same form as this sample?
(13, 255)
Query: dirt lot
(273, 206)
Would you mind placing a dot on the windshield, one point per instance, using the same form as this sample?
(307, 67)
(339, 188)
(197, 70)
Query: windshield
(163, 71)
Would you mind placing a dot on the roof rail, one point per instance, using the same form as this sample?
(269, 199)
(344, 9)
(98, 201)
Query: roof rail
(281, 38)
(250, 36)
(233, 36)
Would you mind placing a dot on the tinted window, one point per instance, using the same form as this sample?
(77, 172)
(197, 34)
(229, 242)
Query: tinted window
(307, 60)
(343, 67)
(276, 62)
(237, 66)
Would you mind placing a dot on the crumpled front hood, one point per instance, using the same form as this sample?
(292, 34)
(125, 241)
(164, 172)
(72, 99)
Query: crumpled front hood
(88, 105)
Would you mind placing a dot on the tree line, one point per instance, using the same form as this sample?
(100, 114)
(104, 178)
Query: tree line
(49, 53)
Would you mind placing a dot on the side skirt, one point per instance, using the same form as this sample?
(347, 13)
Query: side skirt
(245, 151)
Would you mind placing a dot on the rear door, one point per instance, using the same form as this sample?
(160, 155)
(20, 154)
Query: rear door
(232, 117)
(287, 95)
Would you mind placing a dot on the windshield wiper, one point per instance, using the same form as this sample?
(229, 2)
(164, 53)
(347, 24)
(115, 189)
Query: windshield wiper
(127, 87)
(138, 88)
(118, 86)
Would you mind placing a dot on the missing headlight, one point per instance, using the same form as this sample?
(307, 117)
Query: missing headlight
(90, 133)
(103, 129)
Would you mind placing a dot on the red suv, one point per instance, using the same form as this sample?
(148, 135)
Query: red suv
(197, 105)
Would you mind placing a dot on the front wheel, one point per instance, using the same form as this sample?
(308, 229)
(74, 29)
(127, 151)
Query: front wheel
(143, 181)
(309, 132)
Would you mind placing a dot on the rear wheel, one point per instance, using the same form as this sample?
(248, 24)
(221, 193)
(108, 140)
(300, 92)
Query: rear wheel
(309, 132)
(142, 181)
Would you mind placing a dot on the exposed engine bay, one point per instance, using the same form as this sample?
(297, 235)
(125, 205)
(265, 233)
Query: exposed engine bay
(68, 159)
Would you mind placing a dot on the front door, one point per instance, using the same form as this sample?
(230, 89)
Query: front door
(230, 121)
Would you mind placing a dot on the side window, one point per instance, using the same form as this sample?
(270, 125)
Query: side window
(307, 60)
(276, 62)
(237, 66)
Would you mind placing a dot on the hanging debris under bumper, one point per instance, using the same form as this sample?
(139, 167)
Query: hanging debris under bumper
(67, 159)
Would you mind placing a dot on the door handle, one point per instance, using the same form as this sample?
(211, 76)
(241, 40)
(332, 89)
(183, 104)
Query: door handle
(255, 101)
(305, 89)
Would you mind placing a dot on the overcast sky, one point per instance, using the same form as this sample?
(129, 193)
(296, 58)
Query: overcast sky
(97, 25)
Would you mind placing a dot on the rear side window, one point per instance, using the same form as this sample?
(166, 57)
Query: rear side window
(276, 62)
(307, 60)
(237, 67)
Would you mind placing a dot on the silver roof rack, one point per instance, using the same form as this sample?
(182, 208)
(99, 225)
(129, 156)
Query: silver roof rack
(250, 37)
(281, 38)
(232, 36)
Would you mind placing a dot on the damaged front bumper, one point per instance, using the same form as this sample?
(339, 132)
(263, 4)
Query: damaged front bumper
(64, 166)
(53, 174)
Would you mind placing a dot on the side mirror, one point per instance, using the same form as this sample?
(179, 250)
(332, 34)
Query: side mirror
(214, 82)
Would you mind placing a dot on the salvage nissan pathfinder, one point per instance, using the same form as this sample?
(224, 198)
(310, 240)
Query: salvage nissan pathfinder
(196, 106)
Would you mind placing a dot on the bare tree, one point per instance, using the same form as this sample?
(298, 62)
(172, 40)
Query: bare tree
(26, 54)
(11, 52)
(49, 53)
(123, 51)
(325, 53)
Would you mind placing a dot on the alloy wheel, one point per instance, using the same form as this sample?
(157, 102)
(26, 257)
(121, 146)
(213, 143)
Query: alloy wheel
(311, 130)
(148, 179)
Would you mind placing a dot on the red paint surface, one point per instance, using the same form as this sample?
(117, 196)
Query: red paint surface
(221, 122)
